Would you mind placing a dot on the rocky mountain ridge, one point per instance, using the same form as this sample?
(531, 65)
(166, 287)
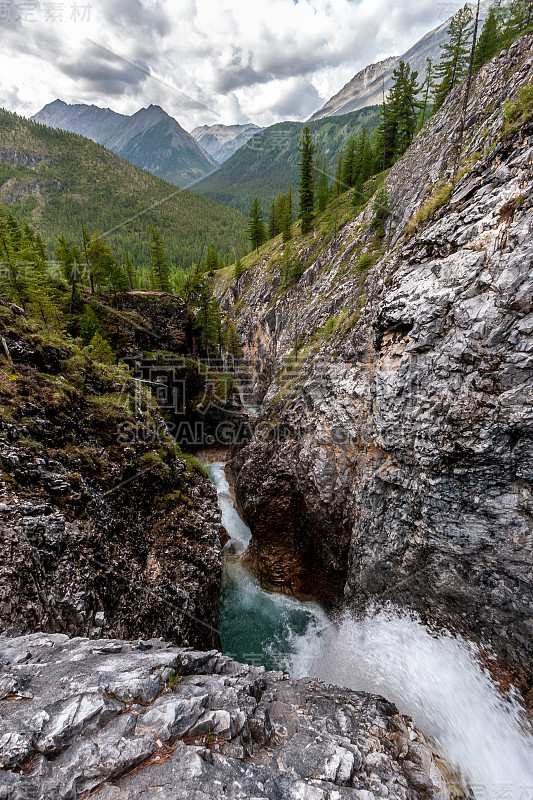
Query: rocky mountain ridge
(221, 141)
(366, 87)
(150, 138)
(393, 456)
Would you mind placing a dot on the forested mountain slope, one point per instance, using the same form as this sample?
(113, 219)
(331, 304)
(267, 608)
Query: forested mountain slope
(62, 181)
(150, 138)
(268, 163)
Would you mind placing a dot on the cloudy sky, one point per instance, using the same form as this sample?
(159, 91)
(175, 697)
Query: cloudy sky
(203, 61)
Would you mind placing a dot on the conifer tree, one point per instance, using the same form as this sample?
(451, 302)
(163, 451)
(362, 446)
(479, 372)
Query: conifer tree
(380, 209)
(307, 185)
(273, 222)
(297, 270)
(455, 55)
(286, 273)
(358, 197)
(489, 40)
(286, 221)
(402, 109)
(100, 349)
(338, 174)
(35, 290)
(15, 233)
(40, 296)
(256, 227)
(85, 249)
(322, 183)
(11, 278)
(117, 278)
(160, 269)
(131, 275)
(211, 259)
(208, 322)
(367, 160)
(358, 157)
(517, 16)
(232, 343)
(89, 324)
(39, 247)
(426, 89)
(100, 259)
(399, 119)
(69, 259)
(348, 164)
(239, 270)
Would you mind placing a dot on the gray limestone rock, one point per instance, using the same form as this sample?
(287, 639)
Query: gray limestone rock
(205, 733)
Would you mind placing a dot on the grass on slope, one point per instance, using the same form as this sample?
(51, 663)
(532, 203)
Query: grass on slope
(268, 163)
(61, 181)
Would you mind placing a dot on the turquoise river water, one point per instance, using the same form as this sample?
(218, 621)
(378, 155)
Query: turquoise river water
(439, 681)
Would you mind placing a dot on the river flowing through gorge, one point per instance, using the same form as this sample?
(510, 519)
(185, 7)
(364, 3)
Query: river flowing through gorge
(437, 680)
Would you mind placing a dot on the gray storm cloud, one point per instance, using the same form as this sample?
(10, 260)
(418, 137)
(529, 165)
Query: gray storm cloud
(262, 62)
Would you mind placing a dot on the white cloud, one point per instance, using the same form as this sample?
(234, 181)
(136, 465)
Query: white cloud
(202, 60)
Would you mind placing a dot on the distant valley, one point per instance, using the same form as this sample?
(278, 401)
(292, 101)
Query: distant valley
(268, 164)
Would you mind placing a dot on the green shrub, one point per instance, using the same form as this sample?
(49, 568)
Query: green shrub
(328, 329)
(518, 112)
(380, 209)
(193, 465)
(440, 196)
(100, 350)
(366, 261)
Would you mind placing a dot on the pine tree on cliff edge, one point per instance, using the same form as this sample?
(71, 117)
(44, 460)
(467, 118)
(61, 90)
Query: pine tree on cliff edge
(455, 55)
(307, 186)
(256, 227)
(160, 277)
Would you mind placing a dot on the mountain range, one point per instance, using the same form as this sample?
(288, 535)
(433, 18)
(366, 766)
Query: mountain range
(221, 141)
(150, 138)
(60, 181)
(156, 142)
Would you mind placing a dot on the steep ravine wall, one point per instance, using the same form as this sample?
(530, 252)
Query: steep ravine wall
(106, 529)
(393, 459)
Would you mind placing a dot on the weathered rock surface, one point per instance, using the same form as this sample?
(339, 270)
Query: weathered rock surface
(394, 457)
(154, 321)
(145, 719)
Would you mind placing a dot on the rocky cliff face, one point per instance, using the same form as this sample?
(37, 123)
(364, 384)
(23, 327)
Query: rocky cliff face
(107, 529)
(394, 459)
(142, 719)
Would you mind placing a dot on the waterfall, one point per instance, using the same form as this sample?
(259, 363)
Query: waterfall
(438, 680)
(238, 531)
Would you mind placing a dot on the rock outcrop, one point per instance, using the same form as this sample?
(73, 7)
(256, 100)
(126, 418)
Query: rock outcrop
(393, 459)
(144, 719)
(107, 528)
